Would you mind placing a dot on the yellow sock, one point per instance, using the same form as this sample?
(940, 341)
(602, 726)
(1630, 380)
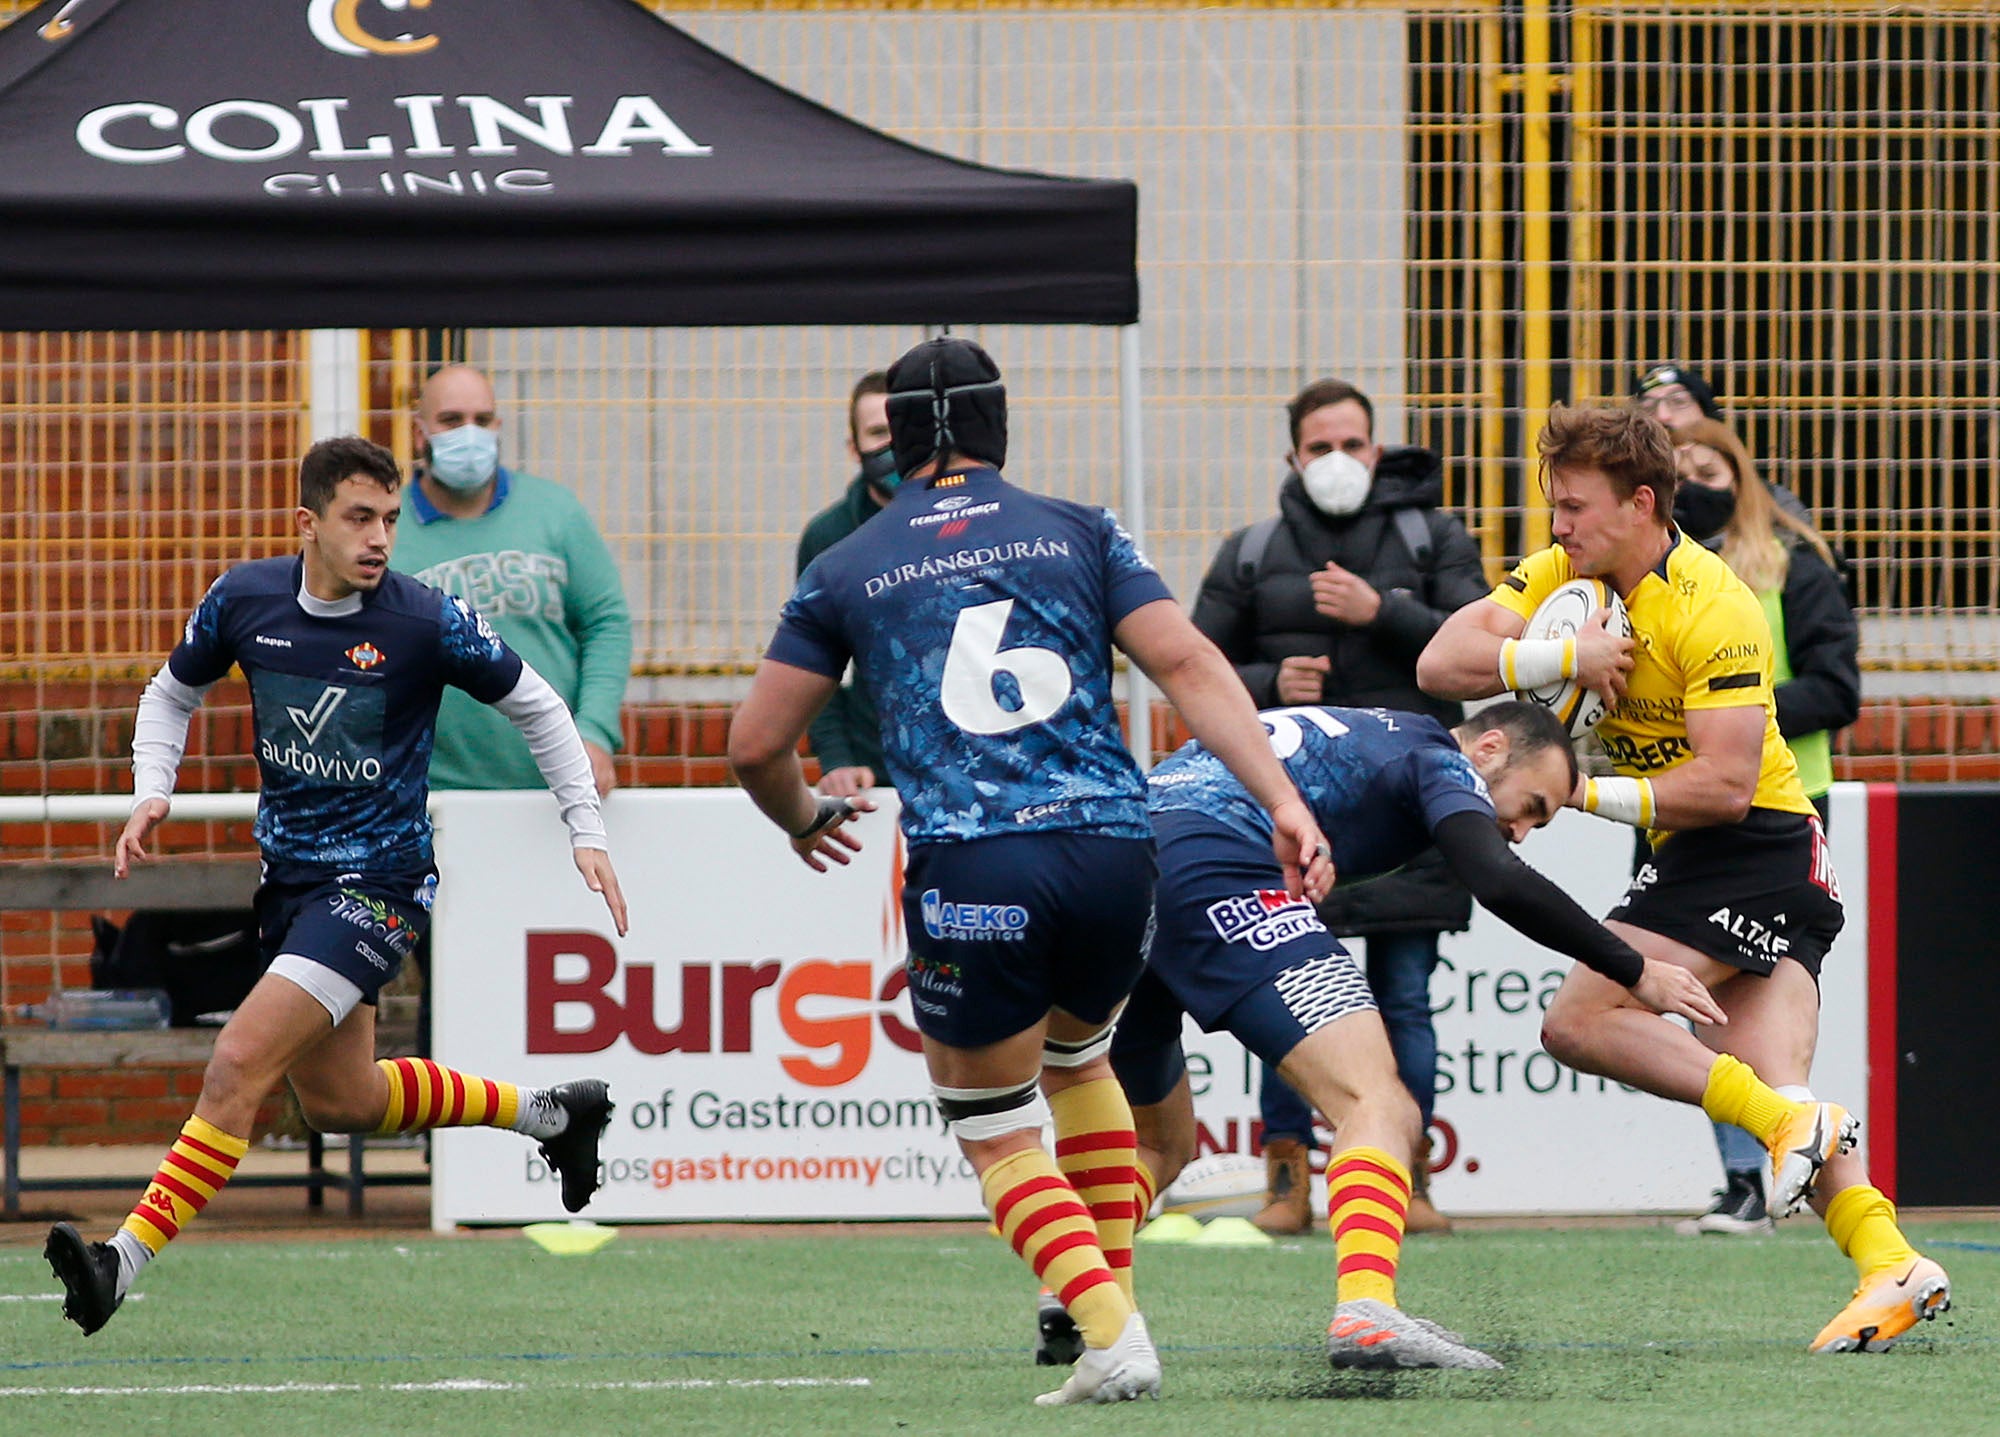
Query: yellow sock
(1367, 1197)
(423, 1095)
(1735, 1094)
(1862, 1224)
(1042, 1219)
(201, 1160)
(1098, 1151)
(1147, 1189)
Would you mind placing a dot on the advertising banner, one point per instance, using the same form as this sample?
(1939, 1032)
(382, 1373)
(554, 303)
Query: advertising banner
(759, 1044)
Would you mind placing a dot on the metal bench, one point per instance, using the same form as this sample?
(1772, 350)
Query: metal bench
(217, 883)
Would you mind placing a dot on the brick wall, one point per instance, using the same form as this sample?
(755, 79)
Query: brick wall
(80, 742)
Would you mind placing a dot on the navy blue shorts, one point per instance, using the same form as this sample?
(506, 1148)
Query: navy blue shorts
(1233, 950)
(362, 926)
(1004, 929)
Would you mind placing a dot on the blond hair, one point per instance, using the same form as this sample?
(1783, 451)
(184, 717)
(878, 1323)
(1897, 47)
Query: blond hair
(1751, 544)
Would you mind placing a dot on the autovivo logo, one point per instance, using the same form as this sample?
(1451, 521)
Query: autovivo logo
(829, 1010)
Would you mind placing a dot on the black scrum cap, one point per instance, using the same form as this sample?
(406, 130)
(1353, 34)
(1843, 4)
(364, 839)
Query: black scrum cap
(945, 395)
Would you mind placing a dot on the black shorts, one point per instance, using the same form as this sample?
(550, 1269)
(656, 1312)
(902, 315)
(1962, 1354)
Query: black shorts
(1747, 894)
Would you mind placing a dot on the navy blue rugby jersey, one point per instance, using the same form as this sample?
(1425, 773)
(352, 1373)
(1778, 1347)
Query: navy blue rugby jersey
(345, 708)
(1379, 783)
(980, 617)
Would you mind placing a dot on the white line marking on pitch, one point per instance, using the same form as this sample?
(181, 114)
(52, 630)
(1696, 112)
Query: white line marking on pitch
(450, 1384)
(54, 1297)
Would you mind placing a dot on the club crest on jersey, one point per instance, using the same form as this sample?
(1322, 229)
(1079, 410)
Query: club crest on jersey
(954, 515)
(365, 656)
(1264, 919)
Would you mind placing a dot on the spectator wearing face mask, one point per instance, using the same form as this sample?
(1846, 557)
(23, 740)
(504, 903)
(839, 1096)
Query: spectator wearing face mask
(1330, 601)
(525, 555)
(845, 736)
(1677, 396)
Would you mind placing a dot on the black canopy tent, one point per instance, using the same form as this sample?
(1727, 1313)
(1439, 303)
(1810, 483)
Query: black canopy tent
(220, 164)
(341, 164)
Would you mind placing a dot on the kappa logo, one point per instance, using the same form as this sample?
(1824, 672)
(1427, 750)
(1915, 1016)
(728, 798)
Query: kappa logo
(313, 724)
(337, 25)
(365, 656)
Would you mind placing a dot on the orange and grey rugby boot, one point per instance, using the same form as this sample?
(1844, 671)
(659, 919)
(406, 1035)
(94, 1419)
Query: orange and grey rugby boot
(1886, 1306)
(1799, 1149)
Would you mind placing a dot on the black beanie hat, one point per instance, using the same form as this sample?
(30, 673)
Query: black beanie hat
(1661, 375)
(945, 395)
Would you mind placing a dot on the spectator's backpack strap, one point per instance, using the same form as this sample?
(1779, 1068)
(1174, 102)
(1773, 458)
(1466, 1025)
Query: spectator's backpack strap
(1416, 536)
(1250, 555)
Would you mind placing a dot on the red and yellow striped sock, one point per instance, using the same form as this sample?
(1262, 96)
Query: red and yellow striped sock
(201, 1160)
(423, 1095)
(1147, 1189)
(1098, 1152)
(1042, 1219)
(1367, 1196)
(1862, 1224)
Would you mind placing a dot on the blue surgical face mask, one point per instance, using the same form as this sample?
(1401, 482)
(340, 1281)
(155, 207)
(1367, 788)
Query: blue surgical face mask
(465, 458)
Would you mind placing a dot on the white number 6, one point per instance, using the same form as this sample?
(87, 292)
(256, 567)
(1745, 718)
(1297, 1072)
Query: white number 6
(975, 657)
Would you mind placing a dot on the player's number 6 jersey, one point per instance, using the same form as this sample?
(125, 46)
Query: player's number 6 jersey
(979, 617)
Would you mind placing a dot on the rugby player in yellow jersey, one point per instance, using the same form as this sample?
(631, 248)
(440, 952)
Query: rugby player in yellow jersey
(1740, 889)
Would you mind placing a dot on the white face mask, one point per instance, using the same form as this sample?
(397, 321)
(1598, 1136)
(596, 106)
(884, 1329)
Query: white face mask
(1337, 483)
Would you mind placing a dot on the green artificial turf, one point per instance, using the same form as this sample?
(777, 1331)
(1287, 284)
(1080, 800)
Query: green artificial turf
(1626, 1330)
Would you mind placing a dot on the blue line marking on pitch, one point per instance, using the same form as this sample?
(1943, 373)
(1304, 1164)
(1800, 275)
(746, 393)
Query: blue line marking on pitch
(1968, 1246)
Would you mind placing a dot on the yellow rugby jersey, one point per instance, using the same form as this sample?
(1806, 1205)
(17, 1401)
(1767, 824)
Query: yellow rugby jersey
(1702, 642)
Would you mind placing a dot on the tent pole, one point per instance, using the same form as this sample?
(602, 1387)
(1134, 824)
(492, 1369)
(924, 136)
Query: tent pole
(1138, 691)
(333, 359)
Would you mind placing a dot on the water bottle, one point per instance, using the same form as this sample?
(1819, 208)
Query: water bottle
(102, 1008)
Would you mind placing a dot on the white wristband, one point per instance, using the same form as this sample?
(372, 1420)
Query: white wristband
(1623, 800)
(1536, 663)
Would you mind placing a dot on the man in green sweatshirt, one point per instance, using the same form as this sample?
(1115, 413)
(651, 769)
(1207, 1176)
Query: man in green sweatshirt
(524, 553)
(846, 735)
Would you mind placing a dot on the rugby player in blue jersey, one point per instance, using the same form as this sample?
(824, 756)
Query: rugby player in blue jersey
(982, 618)
(1238, 953)
(346, 663)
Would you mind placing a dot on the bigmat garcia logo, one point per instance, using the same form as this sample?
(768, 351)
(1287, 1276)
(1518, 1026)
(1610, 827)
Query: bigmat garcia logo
(831, 1011)
(415, 145)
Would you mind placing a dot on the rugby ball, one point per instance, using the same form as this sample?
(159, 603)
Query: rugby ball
(1220, 1185)
(1560, 616)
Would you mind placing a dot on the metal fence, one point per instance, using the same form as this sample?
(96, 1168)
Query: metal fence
(1471, 210)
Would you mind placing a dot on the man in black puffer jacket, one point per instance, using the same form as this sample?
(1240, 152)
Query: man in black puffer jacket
(1331, 601)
